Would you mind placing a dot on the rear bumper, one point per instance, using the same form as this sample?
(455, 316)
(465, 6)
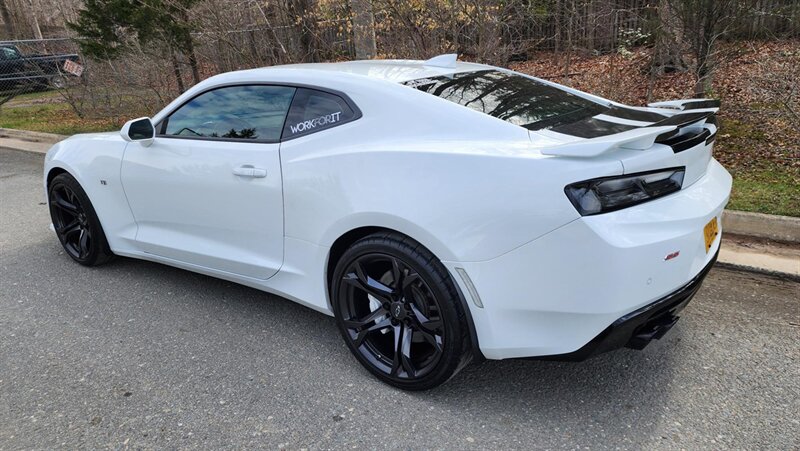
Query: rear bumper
(638, 328)
(556, 294)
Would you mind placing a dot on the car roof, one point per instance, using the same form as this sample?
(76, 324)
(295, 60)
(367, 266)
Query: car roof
(392, 70)
(397, 71)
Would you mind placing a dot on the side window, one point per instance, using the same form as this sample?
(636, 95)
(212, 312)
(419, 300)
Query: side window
(314, 110)
(235, 112)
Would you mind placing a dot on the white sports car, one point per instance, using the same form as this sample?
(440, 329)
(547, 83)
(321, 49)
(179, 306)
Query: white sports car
(441, 211)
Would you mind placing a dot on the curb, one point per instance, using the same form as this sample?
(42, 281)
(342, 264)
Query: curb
(762, 271)
(27, 141)
(25, 135)
(773, 227)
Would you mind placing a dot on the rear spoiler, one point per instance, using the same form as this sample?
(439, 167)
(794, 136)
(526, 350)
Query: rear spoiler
(667, 132)
(637, 139)
(687, 104)
(694, 120)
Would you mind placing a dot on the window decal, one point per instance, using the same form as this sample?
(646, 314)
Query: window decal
(311, 124)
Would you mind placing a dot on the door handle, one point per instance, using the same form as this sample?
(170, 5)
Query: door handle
(250, 171)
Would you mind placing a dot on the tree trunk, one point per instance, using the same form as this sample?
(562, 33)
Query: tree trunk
(187, 47)
(302, 13)
(703, 50)
(193, 64)
(37, 31)
(8, 22)
(176, 70)
(668, 53)
(363, 29)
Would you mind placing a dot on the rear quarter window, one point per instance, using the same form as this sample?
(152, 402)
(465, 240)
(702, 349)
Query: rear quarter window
(313, 111)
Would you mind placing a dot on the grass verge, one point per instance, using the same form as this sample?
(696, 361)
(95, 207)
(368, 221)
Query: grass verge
(57, 118)
(773, 191)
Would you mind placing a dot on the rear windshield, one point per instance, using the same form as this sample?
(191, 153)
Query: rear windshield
(510, 97)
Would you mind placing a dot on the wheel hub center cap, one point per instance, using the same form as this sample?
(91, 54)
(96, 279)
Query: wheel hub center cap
(397, 310)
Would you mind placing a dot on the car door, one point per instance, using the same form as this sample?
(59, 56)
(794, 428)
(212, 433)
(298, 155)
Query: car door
(208, 190)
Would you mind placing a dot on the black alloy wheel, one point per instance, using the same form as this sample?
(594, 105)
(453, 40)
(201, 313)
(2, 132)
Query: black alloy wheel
(399, 312)
(76, 223)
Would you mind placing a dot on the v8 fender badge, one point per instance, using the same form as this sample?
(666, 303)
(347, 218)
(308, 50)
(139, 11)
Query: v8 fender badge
(672, 255)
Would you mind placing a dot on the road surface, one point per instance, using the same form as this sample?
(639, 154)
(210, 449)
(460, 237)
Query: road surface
(139, 355)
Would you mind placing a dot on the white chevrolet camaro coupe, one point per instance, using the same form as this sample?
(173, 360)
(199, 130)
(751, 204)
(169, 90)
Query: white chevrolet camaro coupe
(441, 211)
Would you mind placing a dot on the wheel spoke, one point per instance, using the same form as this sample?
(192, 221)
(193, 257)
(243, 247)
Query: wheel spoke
(70, 228)
(360, 279)
(408, 286)
(397, 274)
(398, 332)
(83, 243)
(402, 354)
(405, 351)
(424, 322)
(432, 338)
(362, 334)
(380, 313)
(64, 204)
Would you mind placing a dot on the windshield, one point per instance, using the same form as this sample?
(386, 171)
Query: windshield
(510, 97)
(9, 53)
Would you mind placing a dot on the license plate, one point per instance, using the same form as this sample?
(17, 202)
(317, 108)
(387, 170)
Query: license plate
(710, 232)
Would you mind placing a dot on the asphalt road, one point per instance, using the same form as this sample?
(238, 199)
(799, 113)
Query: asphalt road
(139, 355)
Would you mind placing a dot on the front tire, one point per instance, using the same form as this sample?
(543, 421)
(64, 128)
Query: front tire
(76, 223)
(399, 312)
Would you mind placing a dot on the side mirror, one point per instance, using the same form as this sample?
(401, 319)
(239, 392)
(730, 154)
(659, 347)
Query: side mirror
(139, 130)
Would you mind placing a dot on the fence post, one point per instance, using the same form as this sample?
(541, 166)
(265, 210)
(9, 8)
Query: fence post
(363, 29)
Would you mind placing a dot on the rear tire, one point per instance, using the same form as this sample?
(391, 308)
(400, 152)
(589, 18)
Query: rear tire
(399, 312)
(76, 223)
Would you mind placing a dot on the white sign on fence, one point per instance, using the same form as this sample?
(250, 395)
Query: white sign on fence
(73, 68)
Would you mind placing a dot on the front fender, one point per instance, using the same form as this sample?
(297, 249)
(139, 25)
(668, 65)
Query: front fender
(94, 160)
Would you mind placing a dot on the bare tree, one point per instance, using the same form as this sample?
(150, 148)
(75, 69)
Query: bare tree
(702, 23)
(8, 22)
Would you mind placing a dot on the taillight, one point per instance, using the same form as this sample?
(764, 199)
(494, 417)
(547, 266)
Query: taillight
(605, 194)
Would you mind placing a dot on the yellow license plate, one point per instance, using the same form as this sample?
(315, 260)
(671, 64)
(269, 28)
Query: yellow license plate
(710, 232)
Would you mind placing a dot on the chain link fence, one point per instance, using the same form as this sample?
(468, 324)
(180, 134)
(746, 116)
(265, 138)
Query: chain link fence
(143, 79)
(37, 65)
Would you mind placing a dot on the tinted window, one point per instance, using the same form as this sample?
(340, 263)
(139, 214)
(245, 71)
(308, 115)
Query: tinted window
(313, 111)
(513, 98)
(237, 112)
